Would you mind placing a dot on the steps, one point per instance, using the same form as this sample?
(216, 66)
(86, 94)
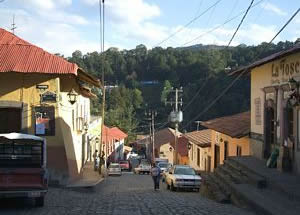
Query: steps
(246, 187)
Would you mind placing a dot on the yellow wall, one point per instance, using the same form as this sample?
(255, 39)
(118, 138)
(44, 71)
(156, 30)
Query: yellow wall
(232, 146)
(165, 149)
(65, 148)
(204, 153)
(262, 77)
(275, 73)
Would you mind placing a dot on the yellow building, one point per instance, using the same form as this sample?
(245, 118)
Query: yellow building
(199, 149)
(275, 112)
(43, 94)
(229, 137)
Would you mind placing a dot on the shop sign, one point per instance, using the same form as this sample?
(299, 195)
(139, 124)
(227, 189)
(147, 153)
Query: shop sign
(48, 97)
(282, 71)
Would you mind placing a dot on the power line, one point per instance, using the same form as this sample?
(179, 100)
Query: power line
(239, 76)
(221, 25)
(283, 27)
(241, 22)
(195, 96)
(190, 22)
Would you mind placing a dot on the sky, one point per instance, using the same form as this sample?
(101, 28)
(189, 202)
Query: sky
(63, 26)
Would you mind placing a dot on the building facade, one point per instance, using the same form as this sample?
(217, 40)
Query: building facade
(44, 95)
(200, 149)
(275, 112)
(229, 137)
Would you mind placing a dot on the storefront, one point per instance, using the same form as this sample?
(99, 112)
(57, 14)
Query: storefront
(275, 108)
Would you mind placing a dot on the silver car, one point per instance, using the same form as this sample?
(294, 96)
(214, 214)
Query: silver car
(164, 166)
(114, 169)
(181, 176)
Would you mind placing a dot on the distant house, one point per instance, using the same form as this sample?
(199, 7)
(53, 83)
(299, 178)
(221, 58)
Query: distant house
(113, 143)
(200, 149)
(164, 142)
(45, 95)
(229, 137)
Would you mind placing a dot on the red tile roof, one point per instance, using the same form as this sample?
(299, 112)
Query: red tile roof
(201, 138)
(18, 55)
(114, 133)
(235, 126)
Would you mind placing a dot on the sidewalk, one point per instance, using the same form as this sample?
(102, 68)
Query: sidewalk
(89, 178)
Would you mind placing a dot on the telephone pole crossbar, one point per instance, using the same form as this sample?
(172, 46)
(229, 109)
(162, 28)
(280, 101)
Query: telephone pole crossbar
(176, 117)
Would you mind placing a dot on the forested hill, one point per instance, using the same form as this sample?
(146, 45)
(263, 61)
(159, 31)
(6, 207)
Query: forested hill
(141, 75)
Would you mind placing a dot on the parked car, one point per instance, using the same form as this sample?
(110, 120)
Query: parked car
(132, 155)
(163, 166)
(23, 172)
(181, 176)
(125, 165)
(114, 169)
(142, 169)
(164, 173)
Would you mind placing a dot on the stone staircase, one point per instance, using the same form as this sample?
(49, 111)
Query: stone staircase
(247, 183)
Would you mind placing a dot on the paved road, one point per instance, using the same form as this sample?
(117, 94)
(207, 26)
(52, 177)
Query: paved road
(129, 194)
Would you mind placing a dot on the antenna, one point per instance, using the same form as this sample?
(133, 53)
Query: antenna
(13, 25)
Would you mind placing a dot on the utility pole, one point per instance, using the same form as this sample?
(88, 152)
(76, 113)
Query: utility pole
(102, 15)
(13, 25)
(151, 117)
(176, 117)
(198, 123)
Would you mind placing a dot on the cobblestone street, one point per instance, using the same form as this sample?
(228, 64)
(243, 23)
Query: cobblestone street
(128, 194)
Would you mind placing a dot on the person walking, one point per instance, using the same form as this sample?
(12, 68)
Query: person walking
(95, 157)
(155, 173)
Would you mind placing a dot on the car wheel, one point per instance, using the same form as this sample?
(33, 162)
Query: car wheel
(172, 187)
(39, 202)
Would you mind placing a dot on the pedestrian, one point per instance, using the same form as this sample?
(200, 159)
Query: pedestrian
(155, 173)
(95, 157)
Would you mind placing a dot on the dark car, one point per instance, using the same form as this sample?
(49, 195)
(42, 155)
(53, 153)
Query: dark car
(125, 165)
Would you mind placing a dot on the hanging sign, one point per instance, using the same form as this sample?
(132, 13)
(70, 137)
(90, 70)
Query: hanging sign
(48, 97)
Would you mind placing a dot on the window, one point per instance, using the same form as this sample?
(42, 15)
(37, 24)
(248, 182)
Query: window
(198, 156)
(192, 151)
(45, 121)
(238, 151)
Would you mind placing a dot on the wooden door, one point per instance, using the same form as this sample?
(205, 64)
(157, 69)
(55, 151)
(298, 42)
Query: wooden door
(10, 120)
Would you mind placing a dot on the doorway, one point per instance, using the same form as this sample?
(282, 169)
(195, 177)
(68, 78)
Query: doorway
(12, 118)
(269, 139)
(217, 156)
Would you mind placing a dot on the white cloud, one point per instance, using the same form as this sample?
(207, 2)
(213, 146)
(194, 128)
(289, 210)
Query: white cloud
(273, 8)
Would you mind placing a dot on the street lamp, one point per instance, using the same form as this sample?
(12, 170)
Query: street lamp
(72, 96)
(189, 146)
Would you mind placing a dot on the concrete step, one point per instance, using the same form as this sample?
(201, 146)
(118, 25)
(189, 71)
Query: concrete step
(218, 192)
(235, 176)
(252, 177)
(266, 201)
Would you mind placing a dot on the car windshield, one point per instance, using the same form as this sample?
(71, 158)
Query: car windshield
(184, 171)
(123, 162)
(114, 166)
(163, 165)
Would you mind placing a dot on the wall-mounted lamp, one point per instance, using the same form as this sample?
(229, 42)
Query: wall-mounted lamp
(170, 149)
(189, 146)
(294, 95)
(72, 96)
